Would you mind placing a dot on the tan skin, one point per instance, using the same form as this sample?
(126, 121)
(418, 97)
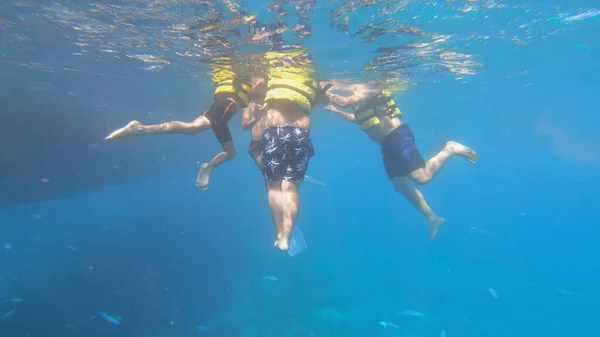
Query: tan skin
(200, 124)
(419, 176)
(283, 196)
(252, 116)
(229, 149)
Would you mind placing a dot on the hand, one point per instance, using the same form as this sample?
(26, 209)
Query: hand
(253, 107)
(331, 108)
(257, 82)
(258, 111)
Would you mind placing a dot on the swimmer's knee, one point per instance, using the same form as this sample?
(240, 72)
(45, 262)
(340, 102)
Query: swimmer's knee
(420, 181)
(232, 153)
(420, 176)
(229, 148)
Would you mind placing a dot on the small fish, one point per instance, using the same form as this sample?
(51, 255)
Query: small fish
(411, 313)
(390, 49)
(8, 314)
(111, 319)
(7, 246)
(481, 231)
(202, 328)
(493, 293)
(567, 292)
(271, 278)
(443, 333)
(72, 248)
(388, 325)
(16, 300)
(581, 16)
(154, 68)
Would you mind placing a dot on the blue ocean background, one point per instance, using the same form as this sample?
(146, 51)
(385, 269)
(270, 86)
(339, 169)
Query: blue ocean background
(90, 226)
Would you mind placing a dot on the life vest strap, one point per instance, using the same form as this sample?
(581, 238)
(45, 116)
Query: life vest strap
(370, 123)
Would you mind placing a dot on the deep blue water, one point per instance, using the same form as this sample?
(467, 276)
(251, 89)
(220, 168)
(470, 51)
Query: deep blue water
(120, 227)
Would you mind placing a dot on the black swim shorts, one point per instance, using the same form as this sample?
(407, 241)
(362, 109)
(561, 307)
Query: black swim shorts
(219, 114)
(400, 155)
(254, 149)
(285, 152)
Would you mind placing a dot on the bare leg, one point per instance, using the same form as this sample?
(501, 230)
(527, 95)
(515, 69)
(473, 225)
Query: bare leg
(415, 197)
(290, 199)
(135, 128)
(434, 165)
(258, 161)
(206, 169)
(274, 194)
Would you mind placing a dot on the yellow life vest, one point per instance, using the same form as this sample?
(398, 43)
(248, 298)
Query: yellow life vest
(365, 115)
(275, 57)
(227, 81)
(241, 91)
(290, 74)
(301, 93)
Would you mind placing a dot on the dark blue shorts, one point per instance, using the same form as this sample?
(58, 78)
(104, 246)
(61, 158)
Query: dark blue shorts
(285, 152)
(219, 114)
(400, 155)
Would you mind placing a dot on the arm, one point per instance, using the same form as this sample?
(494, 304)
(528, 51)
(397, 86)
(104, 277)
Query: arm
(257, 83)
(250, 116)
(345, 115)
(348, 101)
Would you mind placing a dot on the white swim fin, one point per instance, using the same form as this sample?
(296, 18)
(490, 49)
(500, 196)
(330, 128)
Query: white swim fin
(297, 242)
(312, 180)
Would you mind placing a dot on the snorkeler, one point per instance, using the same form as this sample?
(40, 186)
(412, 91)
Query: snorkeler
(378, 116)
(285, 145)
(252, 120)
(230, 95)
(267, 35)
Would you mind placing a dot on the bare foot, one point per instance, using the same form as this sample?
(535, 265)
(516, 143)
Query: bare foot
(434, 225)
(463, 151)
(283, 244)
(203, 177)
(131, 129)
(276, 244)
(283, 241)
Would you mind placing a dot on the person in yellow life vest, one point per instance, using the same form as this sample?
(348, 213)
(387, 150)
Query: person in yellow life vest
(252, 120)
(231, 94)
(378, 116)
(285, 146)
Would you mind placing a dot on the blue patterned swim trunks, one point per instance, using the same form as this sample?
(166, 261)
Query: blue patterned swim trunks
(286, 151)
